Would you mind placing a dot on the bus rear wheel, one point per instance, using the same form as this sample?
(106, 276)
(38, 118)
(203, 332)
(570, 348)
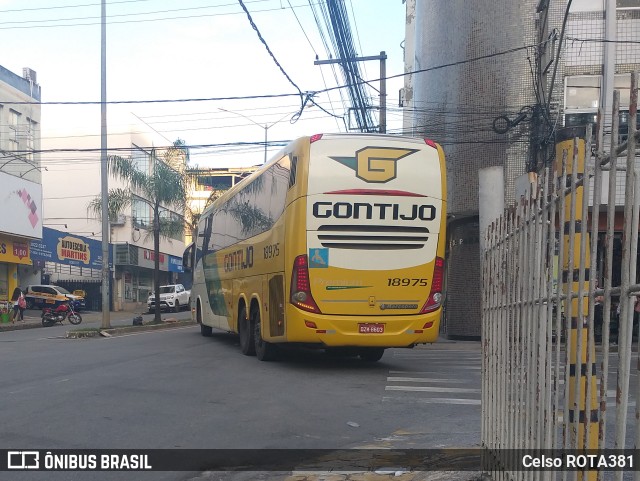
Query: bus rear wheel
(371, 354)
(206, 331)
(247, 343)
(265, 351)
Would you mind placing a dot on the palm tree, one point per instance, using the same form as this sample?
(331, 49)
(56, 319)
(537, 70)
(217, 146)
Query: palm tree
(163, 187)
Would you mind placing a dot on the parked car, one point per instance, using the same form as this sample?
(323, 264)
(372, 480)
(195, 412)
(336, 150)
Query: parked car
(172, 296)
(39, 296)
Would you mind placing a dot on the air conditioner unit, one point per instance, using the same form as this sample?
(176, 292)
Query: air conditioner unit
(119, 221)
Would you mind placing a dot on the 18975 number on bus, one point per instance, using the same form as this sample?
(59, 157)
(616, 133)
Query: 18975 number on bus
(406, 282)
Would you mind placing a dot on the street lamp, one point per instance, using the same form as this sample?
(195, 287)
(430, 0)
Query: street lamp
(266, 127)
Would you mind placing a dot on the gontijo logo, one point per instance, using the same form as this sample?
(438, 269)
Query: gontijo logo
(375, 164)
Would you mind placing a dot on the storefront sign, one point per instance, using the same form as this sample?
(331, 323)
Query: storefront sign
(65, 248)
(175, 264)
(146, 258)
(74, 248)
(23, 199)
(14, 251)
(150, 255)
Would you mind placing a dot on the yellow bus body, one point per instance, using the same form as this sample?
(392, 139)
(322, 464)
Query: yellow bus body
(367, 213)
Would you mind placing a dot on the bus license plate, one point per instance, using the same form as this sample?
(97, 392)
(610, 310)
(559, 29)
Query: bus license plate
(371, 328)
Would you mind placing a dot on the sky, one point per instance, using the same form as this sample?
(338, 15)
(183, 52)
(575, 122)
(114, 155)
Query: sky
(193, 49)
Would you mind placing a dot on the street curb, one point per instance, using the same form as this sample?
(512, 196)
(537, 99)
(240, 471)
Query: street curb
(81, 334)
(19, 327)
(119, 331)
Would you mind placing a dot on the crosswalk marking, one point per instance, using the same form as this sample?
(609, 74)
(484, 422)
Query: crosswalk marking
(450, 376)
(432, 389)
(423, 379)
(433, 400)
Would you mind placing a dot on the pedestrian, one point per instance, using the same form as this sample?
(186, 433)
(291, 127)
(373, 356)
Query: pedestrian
(19, 304)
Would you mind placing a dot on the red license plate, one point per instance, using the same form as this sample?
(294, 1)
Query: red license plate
(370, 328)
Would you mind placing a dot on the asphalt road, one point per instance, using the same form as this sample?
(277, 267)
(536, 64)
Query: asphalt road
(177, 389)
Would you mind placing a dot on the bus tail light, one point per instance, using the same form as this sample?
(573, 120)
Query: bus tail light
(300, 287)
(315, 138)
(435, 295)
(430, 143)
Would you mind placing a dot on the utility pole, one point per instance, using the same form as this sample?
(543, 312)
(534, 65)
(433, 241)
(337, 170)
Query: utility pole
(383, 81)
(106, 322)
(545, 56)
(608, 67)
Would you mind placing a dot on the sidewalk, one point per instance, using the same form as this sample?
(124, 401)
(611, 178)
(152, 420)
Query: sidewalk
(32, 319)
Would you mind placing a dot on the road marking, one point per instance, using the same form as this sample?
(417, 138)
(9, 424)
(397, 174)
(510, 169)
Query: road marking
(435, 400)
(423, 379)
(432, 389)
(420, 372)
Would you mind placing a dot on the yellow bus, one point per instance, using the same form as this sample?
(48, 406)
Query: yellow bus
(337, 242)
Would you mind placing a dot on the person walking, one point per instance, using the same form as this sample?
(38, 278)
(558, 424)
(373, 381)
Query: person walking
(19, 304)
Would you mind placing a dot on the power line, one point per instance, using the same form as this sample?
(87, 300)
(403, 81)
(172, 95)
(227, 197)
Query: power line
(268, 96)
(138, 20)
(115, 15)
(263, 41)
(602, 40)
(68, 6)
(152, 101)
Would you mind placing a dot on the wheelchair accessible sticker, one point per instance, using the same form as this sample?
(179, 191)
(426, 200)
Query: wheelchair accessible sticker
(319, 258)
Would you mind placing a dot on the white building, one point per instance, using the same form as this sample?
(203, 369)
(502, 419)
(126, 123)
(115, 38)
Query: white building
(68, 195)
(20, 178)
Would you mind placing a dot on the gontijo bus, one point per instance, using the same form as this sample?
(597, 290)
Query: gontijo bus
(338, 241)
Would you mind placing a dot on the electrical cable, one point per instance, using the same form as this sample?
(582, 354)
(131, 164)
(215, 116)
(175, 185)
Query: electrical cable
(557, 59)
(68, 6)
(255, 27)
(143, 20)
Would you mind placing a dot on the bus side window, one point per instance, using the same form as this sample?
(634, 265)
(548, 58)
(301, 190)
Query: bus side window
(293, 170)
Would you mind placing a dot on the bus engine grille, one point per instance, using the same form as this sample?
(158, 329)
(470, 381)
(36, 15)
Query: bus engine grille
(374, 237)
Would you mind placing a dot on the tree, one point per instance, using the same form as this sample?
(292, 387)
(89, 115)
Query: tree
(163, 187)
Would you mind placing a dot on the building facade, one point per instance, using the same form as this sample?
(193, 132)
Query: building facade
(482, 73)
(130, 234)
(20, 178)
(205, 185)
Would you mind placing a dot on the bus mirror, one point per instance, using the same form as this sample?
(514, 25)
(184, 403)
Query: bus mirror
(187, 258)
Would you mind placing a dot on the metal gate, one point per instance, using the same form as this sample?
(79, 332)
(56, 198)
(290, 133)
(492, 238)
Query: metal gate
(557, 347)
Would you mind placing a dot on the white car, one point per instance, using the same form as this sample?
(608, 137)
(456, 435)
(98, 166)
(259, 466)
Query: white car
(173, 296)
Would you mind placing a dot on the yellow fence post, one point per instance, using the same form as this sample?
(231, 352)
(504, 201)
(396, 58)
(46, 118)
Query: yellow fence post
(570, 150)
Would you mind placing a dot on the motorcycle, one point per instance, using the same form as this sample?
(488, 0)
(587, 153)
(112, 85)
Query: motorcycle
(63, 311)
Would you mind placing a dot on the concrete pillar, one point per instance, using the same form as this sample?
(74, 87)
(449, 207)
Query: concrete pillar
(490, 199)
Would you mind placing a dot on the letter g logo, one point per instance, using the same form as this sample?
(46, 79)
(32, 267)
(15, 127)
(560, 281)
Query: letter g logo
(375, 164)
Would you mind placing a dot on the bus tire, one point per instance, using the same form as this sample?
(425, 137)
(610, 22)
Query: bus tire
(265, 351)
(371, 354)
(247, 343)
(206, 331)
